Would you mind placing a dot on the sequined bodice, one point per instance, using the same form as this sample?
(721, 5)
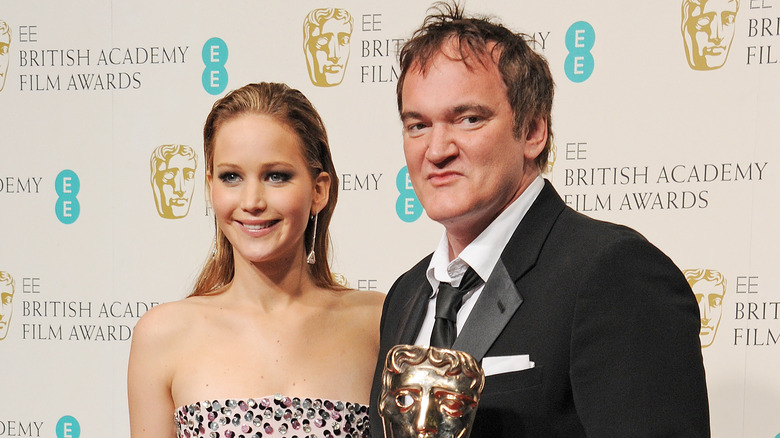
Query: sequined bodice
(273, 416)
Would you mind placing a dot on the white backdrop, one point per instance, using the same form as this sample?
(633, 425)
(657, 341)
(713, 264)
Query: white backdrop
(682, 153)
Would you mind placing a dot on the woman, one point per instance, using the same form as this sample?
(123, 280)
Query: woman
(267, 344)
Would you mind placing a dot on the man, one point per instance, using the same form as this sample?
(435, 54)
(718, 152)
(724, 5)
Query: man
(173, 179)
(708, 30)
(6, 302)
(583, 328)
(326, 38)
(709, 287)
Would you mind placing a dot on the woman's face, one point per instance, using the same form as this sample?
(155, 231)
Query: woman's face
(262, 190)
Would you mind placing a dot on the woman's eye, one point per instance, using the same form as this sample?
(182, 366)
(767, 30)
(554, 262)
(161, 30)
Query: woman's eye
(229, 177)
(278, 177)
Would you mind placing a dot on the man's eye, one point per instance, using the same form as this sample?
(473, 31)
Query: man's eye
(415, 127)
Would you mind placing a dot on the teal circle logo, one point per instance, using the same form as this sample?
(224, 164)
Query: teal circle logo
(407, 206)
(579, 63)
(68, 427)
(67, 186)
(215, 75)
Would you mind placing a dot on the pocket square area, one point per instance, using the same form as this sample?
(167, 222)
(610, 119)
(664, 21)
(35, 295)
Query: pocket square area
(506, 364)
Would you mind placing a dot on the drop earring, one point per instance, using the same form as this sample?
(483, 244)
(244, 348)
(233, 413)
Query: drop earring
(311, 258)
(214, 245)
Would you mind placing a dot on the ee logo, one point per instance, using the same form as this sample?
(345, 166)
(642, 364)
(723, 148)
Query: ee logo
(67, 186)
(215, 75)
(407, 206)
(68, 427)
(579, 42)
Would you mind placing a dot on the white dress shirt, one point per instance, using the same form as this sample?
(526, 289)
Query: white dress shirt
(482, 255)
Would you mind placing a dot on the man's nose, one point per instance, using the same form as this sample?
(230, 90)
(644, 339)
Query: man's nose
(442, 145)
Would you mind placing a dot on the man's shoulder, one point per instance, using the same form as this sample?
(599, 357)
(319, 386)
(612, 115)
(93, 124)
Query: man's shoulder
(418, 269)
(415, 274)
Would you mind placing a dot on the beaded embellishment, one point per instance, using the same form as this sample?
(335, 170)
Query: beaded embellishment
(276, 416)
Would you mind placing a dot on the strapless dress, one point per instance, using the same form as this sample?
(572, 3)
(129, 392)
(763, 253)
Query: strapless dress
(272, 416)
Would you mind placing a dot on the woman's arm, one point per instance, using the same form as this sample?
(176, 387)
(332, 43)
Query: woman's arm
(149, 376)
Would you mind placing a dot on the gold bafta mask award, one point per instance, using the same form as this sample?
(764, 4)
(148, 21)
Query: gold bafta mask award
(429, 392)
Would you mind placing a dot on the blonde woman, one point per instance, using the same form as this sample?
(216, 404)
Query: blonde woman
(267, 344)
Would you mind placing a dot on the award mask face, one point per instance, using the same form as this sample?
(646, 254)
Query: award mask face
(429, 392)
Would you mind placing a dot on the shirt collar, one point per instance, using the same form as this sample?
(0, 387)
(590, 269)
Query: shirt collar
(482, 254)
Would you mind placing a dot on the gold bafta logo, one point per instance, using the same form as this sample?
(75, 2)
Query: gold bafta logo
(709, 287)
(5, 57)
(551, 157)
(6, 302)
(326, 43)
(708, 31)
(173, 179)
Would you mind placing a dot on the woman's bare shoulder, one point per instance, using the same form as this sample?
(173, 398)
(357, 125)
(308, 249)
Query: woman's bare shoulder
(370, 299)
(166, 322)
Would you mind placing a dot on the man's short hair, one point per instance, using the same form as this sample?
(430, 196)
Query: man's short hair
(526, 73)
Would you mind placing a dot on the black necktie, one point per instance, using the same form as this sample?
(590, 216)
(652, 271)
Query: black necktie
(448, 302)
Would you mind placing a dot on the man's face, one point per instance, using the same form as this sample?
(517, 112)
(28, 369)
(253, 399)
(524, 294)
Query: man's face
(175, 182)
(464, 161)
(329, 49)
(6, 308)
(710, 298)
(421, 402)
(711, 28)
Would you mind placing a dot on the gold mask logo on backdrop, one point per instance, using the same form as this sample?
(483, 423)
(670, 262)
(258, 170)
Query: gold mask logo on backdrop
(551, 156)
(327, 33)
(5, 46)
(709, 286)
(173, 179)
(6, 302)
(708, 31)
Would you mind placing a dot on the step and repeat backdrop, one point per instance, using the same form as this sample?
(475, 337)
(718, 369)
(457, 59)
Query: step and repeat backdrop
(665, 119)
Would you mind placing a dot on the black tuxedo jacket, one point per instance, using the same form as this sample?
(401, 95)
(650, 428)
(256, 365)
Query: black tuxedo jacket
(609, 321)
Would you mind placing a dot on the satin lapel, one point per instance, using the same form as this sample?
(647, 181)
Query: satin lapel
(500, 299)
(413, 312)
(497, 303)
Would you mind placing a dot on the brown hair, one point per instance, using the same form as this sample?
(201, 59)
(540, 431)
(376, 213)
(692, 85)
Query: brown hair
(293, 109)
(526, 73)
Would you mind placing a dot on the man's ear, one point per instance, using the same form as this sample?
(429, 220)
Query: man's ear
(535, 138)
